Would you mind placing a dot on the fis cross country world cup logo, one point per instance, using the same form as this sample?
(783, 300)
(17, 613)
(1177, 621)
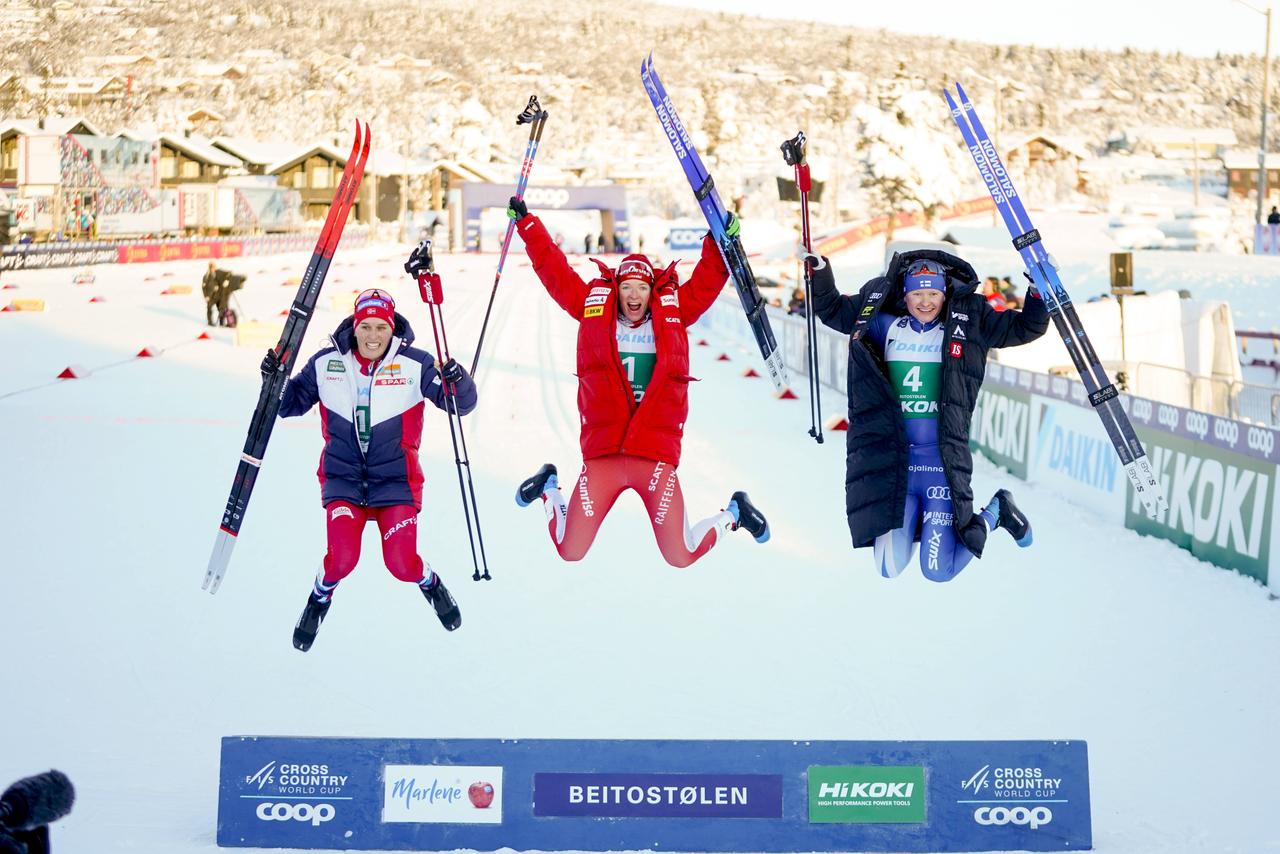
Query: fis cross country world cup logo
(873, 794)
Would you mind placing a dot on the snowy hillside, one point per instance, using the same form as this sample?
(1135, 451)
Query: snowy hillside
(125, 675)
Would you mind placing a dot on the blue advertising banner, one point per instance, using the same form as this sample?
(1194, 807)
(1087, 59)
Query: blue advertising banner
(555, 795)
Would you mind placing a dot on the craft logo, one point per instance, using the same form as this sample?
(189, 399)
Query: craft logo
(657, 795)
(856, 794)
(442, 794)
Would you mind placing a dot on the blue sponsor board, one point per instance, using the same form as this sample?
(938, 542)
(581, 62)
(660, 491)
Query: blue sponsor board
(658, 795)
(554, 795)
(685, 238)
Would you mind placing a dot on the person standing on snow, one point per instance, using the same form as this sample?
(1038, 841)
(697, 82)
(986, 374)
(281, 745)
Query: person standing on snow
(915, 366)
(371, 384)
(633, 396)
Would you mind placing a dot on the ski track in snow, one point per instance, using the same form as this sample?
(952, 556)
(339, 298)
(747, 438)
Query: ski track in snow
(116, 483)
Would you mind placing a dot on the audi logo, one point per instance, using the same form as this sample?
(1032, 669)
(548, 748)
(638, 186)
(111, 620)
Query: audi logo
(314, 813)
(1168, 416)
(1196, 423)
(1142, 410)
(1262, 439)
(939, 492)
(546, 197)
(1226, 431)
(1024, 816)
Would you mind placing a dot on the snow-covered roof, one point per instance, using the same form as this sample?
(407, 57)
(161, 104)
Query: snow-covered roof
(1069, 144)
(1183, 135)
(469, 170)
(255, 151)
(302, 152)
(1248, 160)
(383, 161)
(200, 148)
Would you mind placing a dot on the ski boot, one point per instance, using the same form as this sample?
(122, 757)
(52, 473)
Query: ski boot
(1010, 517)
(531, 490)
(304, 633)
(745, 515)
(446, 608)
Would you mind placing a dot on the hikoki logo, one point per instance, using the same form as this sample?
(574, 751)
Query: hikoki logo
(868, 790)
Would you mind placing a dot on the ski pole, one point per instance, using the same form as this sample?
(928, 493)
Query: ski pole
(793, 153)
(433, 295)
(535, 117)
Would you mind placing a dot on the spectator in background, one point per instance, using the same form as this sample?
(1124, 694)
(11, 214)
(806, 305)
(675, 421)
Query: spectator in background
(211, 286)
(601, 244)
(586, 245)
(619, 245)
(1273, 218)
(227, 286)
(991, 293)
(798, 305)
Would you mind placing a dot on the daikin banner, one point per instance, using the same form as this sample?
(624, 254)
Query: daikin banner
(567, 794)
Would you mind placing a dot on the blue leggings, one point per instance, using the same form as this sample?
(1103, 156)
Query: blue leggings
(928, 510)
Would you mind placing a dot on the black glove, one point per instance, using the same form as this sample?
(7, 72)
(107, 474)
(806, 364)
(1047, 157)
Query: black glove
(419, 259)
(270, 363)
(452, 372)
(517, 209)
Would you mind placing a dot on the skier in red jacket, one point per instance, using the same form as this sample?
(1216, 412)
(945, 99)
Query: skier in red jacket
(633, 396)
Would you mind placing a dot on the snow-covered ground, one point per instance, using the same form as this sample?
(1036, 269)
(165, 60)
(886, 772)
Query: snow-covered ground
(124, 674)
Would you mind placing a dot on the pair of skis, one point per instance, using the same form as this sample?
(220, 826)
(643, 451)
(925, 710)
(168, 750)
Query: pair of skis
(704, 189)
(295, 328)
(1044, 274)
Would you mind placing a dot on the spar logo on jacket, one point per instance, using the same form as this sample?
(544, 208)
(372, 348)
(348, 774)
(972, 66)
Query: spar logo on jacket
(384, 408)
(611, 420)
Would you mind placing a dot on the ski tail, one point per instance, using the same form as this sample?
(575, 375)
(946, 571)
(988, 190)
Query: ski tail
(1103, 394)
(264, 415)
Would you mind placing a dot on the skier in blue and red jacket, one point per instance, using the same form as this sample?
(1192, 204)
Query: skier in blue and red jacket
(371, 384)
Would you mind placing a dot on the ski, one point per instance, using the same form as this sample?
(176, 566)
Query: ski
(295, 327)
(534, 116)
(1103, 394)
(735, 257)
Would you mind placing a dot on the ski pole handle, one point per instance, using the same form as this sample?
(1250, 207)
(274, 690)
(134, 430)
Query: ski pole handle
(793, 150)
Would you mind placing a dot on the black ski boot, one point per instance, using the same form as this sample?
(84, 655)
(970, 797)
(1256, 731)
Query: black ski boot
(1011, 518)
(531, 490)
(304, 633)
(747, 516)
(446, 609)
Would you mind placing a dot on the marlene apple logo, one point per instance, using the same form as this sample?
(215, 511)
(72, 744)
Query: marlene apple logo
(481, 795)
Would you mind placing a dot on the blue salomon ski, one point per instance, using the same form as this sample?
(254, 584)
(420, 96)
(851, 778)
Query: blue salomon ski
(735, 258)
(1044, 273)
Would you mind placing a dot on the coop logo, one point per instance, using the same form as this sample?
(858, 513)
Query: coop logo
(1032, 817)
(1142, 410)
(941, 493)
(313, 814)
(684, 238)
(1167, 416)
(1261, 439)
(1196, 423)
(547, 197)
(1227, 432)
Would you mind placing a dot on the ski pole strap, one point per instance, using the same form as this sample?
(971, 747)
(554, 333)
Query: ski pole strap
(1022, 241)
(706, 188)
(1103, 394)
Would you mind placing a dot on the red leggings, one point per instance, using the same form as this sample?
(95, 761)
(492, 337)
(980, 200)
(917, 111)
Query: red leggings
(573, 525)
(399, 527)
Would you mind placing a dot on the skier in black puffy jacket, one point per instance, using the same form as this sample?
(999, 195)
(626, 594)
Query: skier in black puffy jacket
(917, 357)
